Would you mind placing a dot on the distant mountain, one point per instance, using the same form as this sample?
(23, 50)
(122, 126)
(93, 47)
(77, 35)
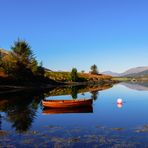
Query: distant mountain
(139, 74)
(135, 71)
(130, 72)
(111, 73)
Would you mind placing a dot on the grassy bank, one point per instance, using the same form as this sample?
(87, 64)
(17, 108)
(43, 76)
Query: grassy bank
(19, 67)
(54, 79)
(131, 79)
(82, 77)
(121, 79)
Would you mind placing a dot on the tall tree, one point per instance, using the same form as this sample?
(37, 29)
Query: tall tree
(94, 69)
(22, 53)
(74, 75)
(20, 63)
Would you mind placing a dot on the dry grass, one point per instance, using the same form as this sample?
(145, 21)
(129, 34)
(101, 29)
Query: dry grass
(58, 76)
(93, 77)
(65, 76)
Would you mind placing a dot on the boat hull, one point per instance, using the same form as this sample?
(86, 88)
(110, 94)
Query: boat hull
(66, 103)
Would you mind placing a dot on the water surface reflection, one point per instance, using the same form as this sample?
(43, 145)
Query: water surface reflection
(141, 86)
(25, 123)
(20, 108)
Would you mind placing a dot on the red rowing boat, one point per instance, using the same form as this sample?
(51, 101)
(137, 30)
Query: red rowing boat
(67, 103)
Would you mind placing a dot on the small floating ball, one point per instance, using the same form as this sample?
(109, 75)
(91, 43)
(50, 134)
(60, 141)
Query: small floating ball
(119, 105)
(119, 101)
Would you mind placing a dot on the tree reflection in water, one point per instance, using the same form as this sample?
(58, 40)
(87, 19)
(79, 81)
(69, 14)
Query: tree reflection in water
(94, 95)
(21, 110)
(74, 92)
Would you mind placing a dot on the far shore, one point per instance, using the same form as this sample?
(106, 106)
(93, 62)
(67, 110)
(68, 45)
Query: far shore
(4, 89)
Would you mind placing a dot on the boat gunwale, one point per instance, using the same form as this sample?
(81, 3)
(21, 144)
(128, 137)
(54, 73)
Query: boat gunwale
(79, 100)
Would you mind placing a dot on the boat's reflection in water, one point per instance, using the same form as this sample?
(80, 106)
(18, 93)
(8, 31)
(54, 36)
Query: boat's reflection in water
(87, 109)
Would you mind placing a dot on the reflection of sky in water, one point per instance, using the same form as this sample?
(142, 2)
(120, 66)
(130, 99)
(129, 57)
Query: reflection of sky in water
(133, 110)
(67, 97)
(105, 110)
(131, 115)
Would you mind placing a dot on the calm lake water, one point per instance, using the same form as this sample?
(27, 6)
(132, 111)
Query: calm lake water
(24, 122)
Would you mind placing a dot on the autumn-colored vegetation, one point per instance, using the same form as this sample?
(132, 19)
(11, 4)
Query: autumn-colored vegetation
(66, 76)
(77, 89)
(19, 66)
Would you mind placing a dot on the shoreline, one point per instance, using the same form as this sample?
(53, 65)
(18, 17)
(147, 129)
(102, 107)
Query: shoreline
(9, 88)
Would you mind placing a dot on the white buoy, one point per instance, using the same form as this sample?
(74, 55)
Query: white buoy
(119, 101)
(119, 105)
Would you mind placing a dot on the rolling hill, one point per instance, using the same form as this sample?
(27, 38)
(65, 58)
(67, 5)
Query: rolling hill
(140, 74)
(133, 72)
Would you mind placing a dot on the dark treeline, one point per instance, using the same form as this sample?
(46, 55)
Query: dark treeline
(20, 108)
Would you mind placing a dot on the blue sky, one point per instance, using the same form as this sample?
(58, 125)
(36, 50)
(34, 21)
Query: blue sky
(113, 34)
